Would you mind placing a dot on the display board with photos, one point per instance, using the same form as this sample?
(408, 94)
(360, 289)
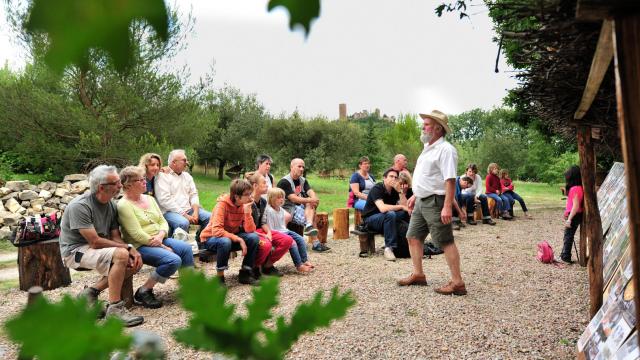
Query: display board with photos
(611, 333)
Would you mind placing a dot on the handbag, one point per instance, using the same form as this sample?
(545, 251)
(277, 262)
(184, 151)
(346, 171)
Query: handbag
(36, 228)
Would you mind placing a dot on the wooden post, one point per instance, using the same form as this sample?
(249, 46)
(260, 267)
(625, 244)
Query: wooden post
(493, 210)
(340, 223)
(627, 57)
(593, 228)
(357, 217)
(477, 214)
(33, 294)
(322, 223)
(582, 246)
(40, 264)
(126, 293)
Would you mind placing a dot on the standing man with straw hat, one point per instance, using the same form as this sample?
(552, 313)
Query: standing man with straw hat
(433, 187)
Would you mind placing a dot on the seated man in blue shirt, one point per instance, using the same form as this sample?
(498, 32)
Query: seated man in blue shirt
(386, 206)
(461, 206)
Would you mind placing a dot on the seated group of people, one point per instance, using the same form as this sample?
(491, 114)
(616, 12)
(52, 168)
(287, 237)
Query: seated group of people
(384, 204)
(117, 238)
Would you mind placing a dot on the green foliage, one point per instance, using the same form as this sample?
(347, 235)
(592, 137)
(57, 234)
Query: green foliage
(65, 330)
(214, 327)
(74, 27)
(301, 12)
(404, 138)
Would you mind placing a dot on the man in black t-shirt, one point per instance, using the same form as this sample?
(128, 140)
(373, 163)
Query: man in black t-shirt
(385, 207)
(298, 193)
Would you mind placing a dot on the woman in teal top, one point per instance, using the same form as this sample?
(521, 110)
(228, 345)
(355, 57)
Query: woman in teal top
(143, 225)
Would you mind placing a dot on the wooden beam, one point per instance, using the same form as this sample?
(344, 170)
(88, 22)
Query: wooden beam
(596, 10)
(627, 57)
(592, 221)
(599, 65)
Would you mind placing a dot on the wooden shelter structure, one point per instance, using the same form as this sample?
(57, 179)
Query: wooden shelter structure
(619, 40)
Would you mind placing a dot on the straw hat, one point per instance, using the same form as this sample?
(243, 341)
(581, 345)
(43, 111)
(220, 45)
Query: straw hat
(439, 117)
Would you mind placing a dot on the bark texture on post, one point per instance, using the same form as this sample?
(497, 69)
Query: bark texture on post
(41, 265)
(340, 223)
(592, 222)
(627, 58)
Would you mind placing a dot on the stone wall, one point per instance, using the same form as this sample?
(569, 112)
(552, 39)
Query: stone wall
(20, 199)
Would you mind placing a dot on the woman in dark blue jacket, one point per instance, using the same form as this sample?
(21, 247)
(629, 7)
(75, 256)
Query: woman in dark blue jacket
(360, 184)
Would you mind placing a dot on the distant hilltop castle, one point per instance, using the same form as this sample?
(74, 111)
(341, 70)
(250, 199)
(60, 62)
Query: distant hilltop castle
(342, 109)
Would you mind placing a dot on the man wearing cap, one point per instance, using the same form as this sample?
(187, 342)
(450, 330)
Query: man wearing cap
(434, 187)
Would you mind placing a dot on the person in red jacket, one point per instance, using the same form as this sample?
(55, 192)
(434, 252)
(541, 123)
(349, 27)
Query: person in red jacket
(493, 190)
(507, 190)
(232, 228)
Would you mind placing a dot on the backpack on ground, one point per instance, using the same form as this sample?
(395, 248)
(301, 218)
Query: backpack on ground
(545, 253)
(402, 249)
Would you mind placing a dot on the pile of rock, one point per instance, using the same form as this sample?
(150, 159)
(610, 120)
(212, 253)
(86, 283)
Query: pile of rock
(20, 199)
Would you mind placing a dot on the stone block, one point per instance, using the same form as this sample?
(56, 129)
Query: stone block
(64, 185)
(66, 199)
(12, 205)
(25, 203)
(79, 187)
(27, 195)
(5, 233)
(36, 208)
(48, 185)
(53, 202)
(9, 219)
(48, 210)
(19, 185)
(62, 207)
(11, 195)
(75, 177)
(45, 194)
(37, 201)
(60, 192)
(4, 191)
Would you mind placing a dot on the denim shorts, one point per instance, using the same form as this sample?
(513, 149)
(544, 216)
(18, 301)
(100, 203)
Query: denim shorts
(425, 220)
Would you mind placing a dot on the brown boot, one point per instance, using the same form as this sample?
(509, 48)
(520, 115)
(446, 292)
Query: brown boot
(413, 280)
(450, 289)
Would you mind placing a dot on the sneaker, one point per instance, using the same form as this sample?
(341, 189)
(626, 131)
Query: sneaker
(472, 222)
(320, 247)
(561, 260)
(505, 216)
(146, 299)
(389, 255)
(245, 277)
(119, 311)
(90, 294)
(488, 221)
(272, 271)
(310, 231)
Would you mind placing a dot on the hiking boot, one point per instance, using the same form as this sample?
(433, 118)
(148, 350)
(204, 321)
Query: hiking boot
(271, 271)
(256, 272)
(222, 280)
(245, 277)
(310, 231)
(389, 255)
(119, 311)
(455, 226)
(472, 222)
(451, 289)
(413, 280)
(90, 294)
(505, 216)
(488, 221)
(320, 247)
(146, 299)
(462, 224)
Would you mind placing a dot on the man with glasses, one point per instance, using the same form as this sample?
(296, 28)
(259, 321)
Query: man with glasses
(177, 196)
(90, 239)
(386, 206)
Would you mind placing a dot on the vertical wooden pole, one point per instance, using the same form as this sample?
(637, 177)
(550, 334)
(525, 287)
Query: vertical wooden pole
(322, 224)
(593, 228)
(340, 223)
(626, 40)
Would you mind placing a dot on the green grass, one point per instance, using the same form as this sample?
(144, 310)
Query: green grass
(6, 246)
(539, 195)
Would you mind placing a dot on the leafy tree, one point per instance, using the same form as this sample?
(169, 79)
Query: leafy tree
(404, 138)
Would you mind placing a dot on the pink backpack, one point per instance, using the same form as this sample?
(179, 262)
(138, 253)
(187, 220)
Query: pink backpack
(545, 253)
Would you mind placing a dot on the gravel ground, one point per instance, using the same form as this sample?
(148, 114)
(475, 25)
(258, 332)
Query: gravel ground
(517, 308)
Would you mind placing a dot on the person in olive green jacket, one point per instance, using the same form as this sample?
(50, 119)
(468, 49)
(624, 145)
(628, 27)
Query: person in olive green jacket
(144, 226)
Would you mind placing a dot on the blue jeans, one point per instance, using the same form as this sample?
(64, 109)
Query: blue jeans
(469, 200)
(512, 196)
(298, 250)
(223, 246)
(387, 223)
(176, 220)
(359, 204)
(501, 201)
(165, 261)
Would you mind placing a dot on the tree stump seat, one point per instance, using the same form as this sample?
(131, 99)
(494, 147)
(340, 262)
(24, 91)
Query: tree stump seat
(493, 209)
(367, 241)
(40, 264)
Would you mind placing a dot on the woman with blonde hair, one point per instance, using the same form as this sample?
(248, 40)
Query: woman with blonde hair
(145, 228)
(151, 163)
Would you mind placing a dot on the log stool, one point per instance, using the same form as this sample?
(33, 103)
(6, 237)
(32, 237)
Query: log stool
(493, 209)
(40, 264)
(477, 213)
(357, 217)
(367, 242)
(340, 223)
(322, 224)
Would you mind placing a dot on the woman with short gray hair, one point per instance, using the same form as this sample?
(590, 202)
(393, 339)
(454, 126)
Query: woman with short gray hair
(144, 226)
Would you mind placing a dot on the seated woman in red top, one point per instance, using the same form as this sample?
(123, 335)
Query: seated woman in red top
(494, 191)
(507, 190)
(573, 212)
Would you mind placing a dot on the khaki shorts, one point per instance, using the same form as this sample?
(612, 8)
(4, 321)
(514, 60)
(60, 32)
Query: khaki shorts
(425, 220)
(88, 258)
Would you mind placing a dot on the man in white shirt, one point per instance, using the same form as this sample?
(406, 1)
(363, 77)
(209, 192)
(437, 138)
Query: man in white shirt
(475, 193)
(433, 188)
(177, 196)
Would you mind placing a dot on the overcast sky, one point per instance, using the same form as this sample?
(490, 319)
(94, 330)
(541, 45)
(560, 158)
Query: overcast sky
(397, 56)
